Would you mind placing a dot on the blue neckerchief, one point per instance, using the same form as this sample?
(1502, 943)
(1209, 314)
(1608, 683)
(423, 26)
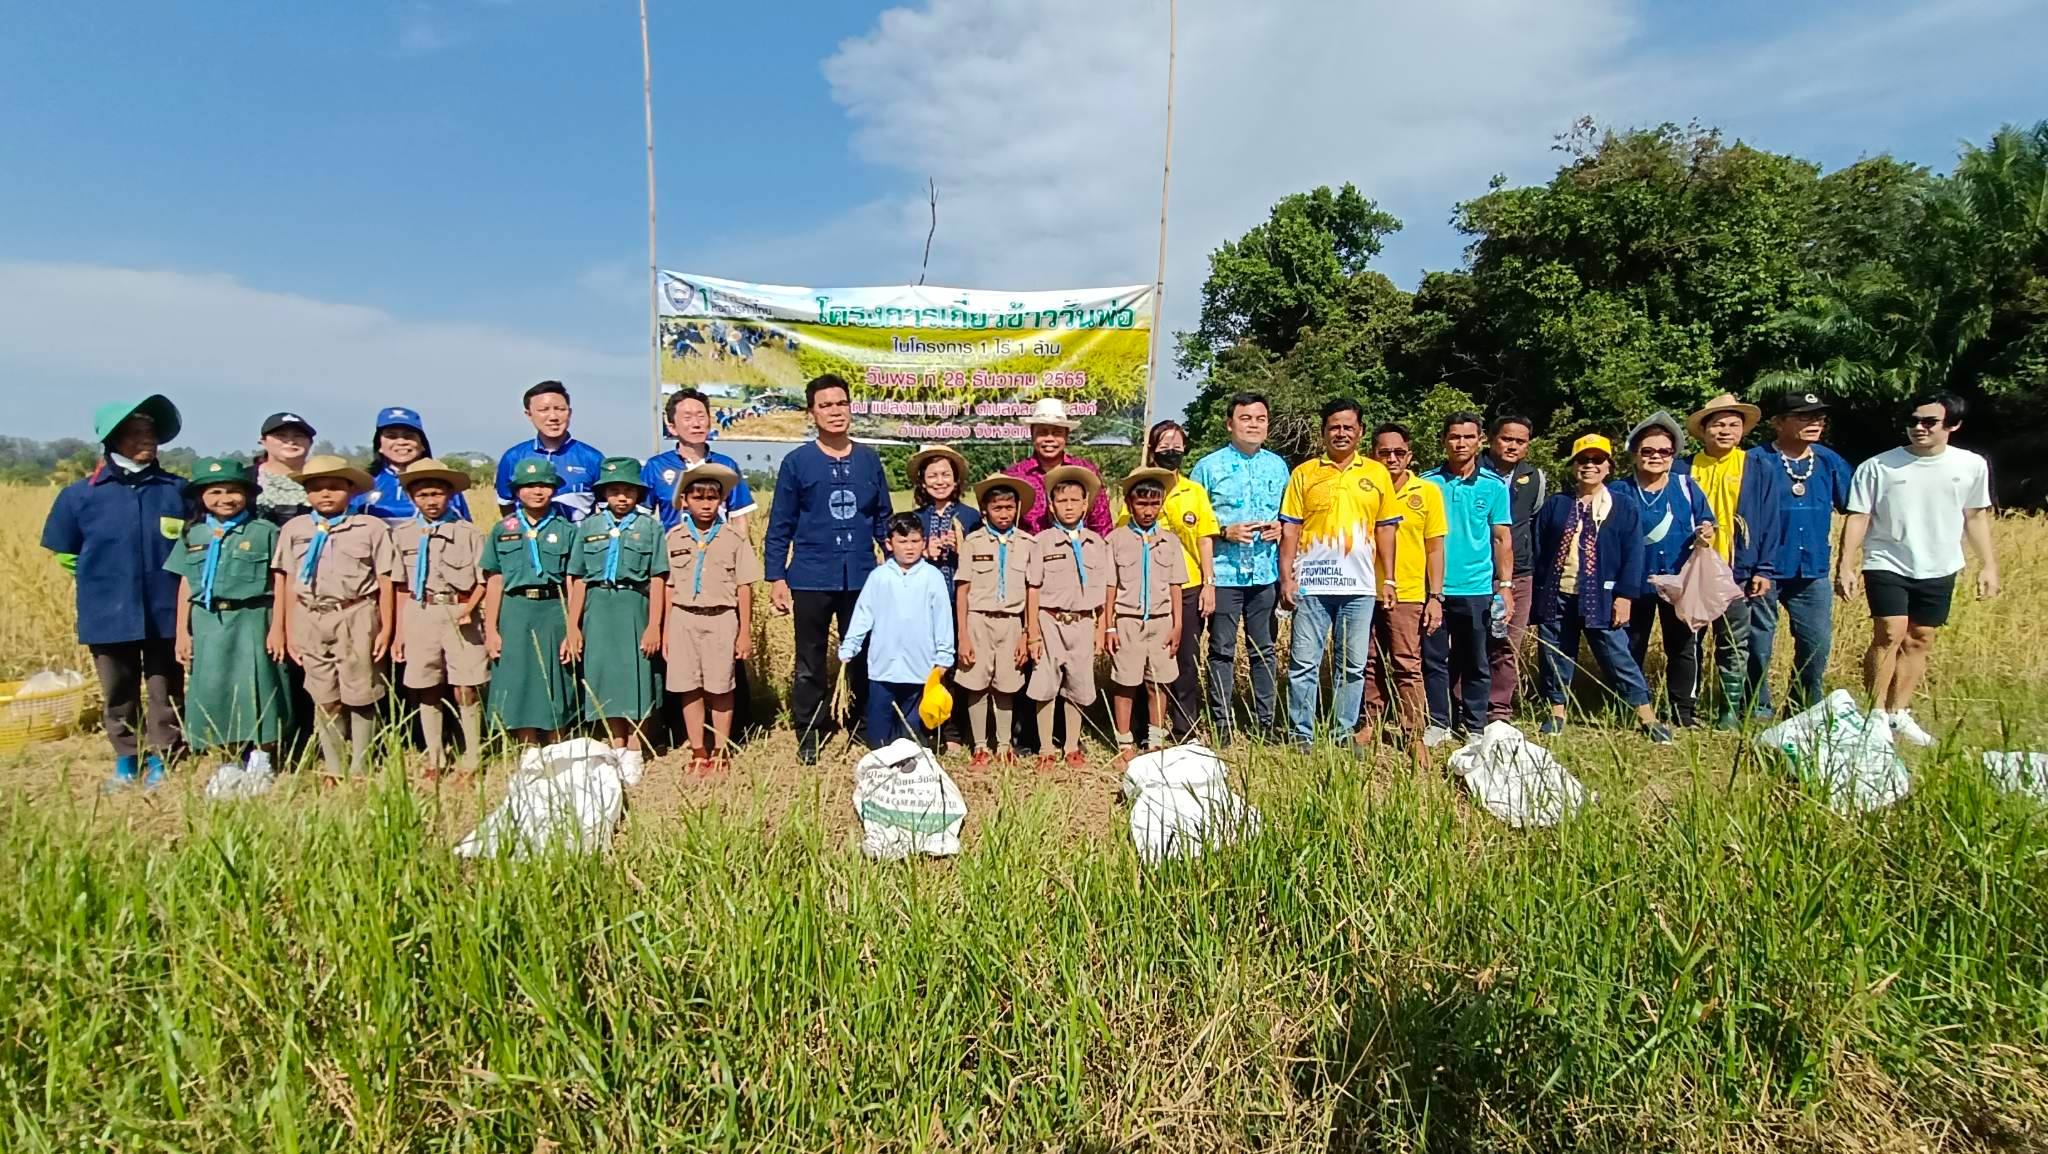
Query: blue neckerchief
(532, 531)
(1074, 539)
(217, 531)
(419, 567)
(321, 527)
(1145, 568)
(703, 544)
(1002, 541)
(615, 527)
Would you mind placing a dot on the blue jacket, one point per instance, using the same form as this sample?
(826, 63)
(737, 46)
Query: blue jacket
(388, 500)
(1619, 559)
(1756, 519)
(1665, 547)
(122, 526)
(577, 462)
(827, 518)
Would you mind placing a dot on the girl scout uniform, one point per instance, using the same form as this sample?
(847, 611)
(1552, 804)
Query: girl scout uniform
(530, 686)
(236, 693)
(331, 570)
(615, 559)
(707, 567)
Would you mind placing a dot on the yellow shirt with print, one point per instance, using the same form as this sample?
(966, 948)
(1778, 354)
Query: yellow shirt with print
(1189, 517)
(1337, 509)
(1422, 520)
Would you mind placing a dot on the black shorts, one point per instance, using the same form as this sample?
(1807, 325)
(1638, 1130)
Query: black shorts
(1921, 601)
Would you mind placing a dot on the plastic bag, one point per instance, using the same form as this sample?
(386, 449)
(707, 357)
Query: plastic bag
(1835, 745)
(1702, 589)
(907, 803)
(50, 681)
(1516, 780)
(235, 782)
(569, 794)
(1182, 803)
(2019, 772)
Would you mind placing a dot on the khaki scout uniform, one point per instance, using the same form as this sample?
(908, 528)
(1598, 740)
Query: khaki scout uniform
(1068, 603)
(1144, 603)
(438, 651)
(333, 621)
(996, 573)
(706, 570)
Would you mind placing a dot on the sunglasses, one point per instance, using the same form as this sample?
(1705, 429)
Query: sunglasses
(1590, 459)
(1656, 453)
(1922, 422)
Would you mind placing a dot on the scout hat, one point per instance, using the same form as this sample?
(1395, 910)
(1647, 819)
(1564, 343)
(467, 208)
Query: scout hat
(209, 471)
(1164, 477)
(706, 471)
(1798, 401)
(536, 471)
(1657, 420)
(157, 407)
(926, 453)
(1090, 483)
(1725, 403)
(996, 481)
(619, 471)
(328, 465)
(1592, 443)
(431, 469)
(1050, 411)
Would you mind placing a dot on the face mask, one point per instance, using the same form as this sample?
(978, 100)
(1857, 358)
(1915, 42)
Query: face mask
(1169, 458)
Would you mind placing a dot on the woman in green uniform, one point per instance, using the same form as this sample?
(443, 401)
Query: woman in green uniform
(235, 692)
(526, 623)
(617, 572)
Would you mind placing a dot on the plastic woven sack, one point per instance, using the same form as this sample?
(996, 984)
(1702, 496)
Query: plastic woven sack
(1182, 804)
(1516, 780)
(1835, 745)
(570, 795)
(907, 803)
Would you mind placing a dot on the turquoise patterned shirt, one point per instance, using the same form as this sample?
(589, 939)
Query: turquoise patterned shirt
(1244, 489)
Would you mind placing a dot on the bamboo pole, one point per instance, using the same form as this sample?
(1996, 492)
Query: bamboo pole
(653, 264)
(1165, 184)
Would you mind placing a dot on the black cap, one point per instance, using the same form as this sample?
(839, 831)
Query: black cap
(276, 421)
(1799, 401)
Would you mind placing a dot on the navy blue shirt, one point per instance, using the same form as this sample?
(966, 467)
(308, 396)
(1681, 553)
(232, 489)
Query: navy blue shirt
(829, 514)
(578, 463)
(388, 500)
(660, 472)
(121, 526)
(1806, 521)
(1670, 516)
(962, 521)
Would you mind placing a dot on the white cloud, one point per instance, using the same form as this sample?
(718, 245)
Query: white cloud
(73, 335)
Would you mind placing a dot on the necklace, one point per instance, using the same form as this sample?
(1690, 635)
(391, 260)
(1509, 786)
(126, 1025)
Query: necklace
(1650, 497)
(1798, 478)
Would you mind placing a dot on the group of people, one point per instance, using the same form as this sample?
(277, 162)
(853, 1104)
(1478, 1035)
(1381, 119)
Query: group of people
(605, 581)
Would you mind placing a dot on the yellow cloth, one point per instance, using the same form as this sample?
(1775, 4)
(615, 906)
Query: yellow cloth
(1721, 481)
(1188, 515)
(1338, 508)
(1422, 520)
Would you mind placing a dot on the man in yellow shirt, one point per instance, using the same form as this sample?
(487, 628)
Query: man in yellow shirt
(1188, 515)
(1393, 671)
(1337, 526)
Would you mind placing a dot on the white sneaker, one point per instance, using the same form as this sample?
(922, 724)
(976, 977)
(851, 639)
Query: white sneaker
(1434, 736)
(1908, 730)
(631, 766)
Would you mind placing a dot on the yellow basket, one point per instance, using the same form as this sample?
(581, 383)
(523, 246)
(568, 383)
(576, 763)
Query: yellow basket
(42, 717)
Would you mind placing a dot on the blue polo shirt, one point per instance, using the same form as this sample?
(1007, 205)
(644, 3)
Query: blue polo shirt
(1244, 488)
(388, 500)
(1806, 521)
(121, 526)
(660, 472)
(578, 463)
(1472, 507)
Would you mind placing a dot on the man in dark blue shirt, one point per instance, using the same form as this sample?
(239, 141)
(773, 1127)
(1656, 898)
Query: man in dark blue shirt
(831, 510)
(1815, 488)
(547, 406)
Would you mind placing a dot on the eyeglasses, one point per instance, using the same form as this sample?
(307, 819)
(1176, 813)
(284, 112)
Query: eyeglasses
(1655, 454)
(1922, 422)
(1398, 453)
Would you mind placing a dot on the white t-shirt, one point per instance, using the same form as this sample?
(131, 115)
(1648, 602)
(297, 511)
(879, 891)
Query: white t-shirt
(1916, 507)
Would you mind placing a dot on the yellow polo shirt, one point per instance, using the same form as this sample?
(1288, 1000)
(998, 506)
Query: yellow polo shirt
(1422, 520)
(1189, 517)
(1338, 509)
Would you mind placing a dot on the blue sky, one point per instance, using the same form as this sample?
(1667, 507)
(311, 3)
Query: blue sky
(340, 206)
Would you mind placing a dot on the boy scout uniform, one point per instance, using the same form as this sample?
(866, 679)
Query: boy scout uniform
(615, 559)
(1150, 569)
(1071, 569)
(333, 616)
(531, 687)
(236, 693)
(438, 564)
(707, 566)
(996, 571)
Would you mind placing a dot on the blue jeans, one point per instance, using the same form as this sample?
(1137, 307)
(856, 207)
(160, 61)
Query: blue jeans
(1316, 618)
(1810, 603)
(1559, 641)
(892, 712)
(1457, 654)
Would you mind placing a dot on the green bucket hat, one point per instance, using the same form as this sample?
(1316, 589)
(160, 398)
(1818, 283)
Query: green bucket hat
(536, 471)
(619, 471)
(156, 407)
(220, 471)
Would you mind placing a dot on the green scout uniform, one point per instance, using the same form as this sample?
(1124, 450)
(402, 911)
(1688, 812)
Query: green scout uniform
(618, 679)
(236, 694)
(530, 686)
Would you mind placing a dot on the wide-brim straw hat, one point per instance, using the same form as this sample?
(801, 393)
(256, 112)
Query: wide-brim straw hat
(925, 454)
(1016, 485)
(1091, 484)
(327, 465)
(433, 469)
(1725, 403)
(1051, 411)
(705, 471)
(1164, 477)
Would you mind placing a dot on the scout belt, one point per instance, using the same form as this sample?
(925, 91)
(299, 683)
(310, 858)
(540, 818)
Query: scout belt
(323, 604)
(445, 598)
(1000, 612)
(636, 586)
(537, 593)
(709, 609)
(1069, 616)
(220, 603)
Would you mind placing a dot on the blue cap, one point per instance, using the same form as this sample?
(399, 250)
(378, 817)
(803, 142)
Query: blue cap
(400, 417)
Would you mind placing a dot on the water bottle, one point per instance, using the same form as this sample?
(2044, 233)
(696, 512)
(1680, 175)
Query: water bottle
(1499, 625)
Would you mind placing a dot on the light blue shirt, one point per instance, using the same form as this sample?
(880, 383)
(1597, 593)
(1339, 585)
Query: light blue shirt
(907, 618)
(1244, 488)
(1472, 507)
